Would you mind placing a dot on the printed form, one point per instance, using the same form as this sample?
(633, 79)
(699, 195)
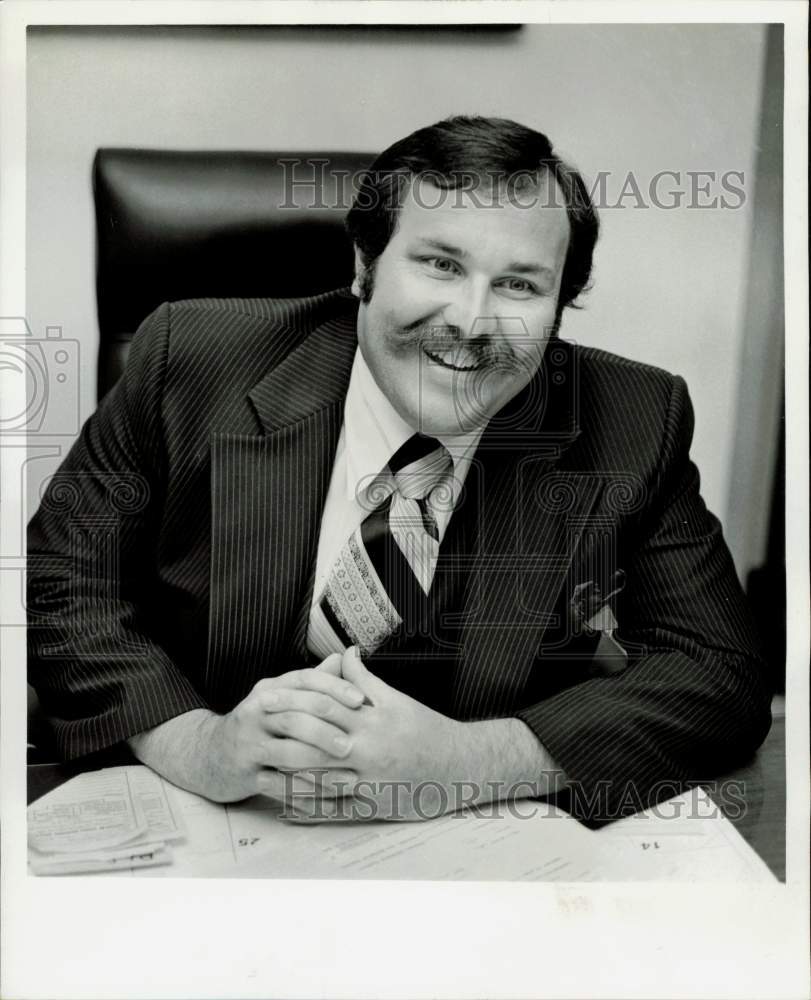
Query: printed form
(687, 838)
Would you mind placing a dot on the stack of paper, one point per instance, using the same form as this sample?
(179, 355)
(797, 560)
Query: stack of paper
(117, 818)
(123, 819)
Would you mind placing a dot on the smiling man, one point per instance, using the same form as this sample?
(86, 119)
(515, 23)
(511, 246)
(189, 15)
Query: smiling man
(402, 538)
(459, 306)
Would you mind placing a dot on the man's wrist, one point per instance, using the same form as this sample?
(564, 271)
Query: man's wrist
(184, 750)
(506, 760)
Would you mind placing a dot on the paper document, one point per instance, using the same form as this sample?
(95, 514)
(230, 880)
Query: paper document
(686, 838)
(549, 847)
(125, 861)
(116, 817)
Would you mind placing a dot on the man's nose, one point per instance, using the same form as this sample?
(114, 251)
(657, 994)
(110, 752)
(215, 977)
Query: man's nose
(472, 311)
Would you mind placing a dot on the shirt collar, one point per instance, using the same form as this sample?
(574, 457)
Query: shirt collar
(374, 430)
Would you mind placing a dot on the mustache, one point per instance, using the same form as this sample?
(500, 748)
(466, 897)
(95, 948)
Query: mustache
(484, 351)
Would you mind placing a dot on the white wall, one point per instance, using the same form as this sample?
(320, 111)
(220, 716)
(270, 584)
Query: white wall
(669, 285)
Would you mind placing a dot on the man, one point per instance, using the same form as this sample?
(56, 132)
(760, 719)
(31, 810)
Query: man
(404, 536)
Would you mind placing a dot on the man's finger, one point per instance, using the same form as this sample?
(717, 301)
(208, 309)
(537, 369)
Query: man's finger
(310, 679)
(305, 785)
(324, 782)
(354, 670)
(315, 703)
(309, 729)
(293, 755)
(331, 664)
(274, 784)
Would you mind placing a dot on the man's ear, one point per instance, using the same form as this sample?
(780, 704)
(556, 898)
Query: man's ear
(359, 272)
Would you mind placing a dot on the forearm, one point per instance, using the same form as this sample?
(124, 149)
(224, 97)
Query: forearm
(507, 760)
(667, 720)
(184, 750)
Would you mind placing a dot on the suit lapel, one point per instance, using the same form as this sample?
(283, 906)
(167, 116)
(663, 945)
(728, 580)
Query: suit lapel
(268, 493)
(531, 512)
(508, 546)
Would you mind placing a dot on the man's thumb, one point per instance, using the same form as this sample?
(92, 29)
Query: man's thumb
(331, 665)
(354, 669)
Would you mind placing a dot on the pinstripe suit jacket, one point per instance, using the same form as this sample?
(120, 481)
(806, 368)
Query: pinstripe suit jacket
(171, 561)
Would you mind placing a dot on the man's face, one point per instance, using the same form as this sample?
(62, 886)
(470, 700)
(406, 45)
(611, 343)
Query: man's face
(463, 302)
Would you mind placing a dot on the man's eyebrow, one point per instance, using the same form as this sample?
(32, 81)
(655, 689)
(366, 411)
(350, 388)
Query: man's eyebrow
(518, 267)
(515, 267)
(448, 248)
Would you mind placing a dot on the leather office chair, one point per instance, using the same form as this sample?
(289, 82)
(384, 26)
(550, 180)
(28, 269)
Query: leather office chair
(174, 225)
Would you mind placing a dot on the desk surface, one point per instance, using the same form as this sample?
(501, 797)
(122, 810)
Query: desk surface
(759, 785)
(762, 823)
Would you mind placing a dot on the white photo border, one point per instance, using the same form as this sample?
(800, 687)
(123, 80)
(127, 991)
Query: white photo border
(227, 938)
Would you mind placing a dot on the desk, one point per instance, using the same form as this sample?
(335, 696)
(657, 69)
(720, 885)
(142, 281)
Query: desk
(762, 823)
(761, 784)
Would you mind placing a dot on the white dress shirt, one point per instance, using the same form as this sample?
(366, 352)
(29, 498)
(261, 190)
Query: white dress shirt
(372, 432)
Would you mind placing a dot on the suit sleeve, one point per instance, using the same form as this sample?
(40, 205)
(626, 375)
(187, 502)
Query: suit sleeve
(99, 672)
(693, 700)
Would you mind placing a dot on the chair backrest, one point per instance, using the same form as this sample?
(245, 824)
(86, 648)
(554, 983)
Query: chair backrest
(186, 224)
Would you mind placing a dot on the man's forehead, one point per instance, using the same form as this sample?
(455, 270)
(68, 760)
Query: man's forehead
(528, 211)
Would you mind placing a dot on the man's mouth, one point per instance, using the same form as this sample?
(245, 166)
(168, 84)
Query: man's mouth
(458, 360)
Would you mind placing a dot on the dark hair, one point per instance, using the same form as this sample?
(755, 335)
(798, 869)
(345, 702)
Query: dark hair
(460, 150)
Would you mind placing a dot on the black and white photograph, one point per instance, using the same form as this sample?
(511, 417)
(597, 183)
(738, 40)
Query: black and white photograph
(405, 444)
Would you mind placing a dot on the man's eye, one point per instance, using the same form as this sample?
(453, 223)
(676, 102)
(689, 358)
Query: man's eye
(520, 288)
(443, 264)
(518, 285)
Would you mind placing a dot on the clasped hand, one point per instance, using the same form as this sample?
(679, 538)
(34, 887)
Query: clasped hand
(317, 736)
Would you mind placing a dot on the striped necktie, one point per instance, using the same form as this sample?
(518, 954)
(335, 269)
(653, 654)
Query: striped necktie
(380, 578)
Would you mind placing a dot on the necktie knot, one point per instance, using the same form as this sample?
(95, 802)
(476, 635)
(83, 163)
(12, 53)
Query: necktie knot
(419, 466)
